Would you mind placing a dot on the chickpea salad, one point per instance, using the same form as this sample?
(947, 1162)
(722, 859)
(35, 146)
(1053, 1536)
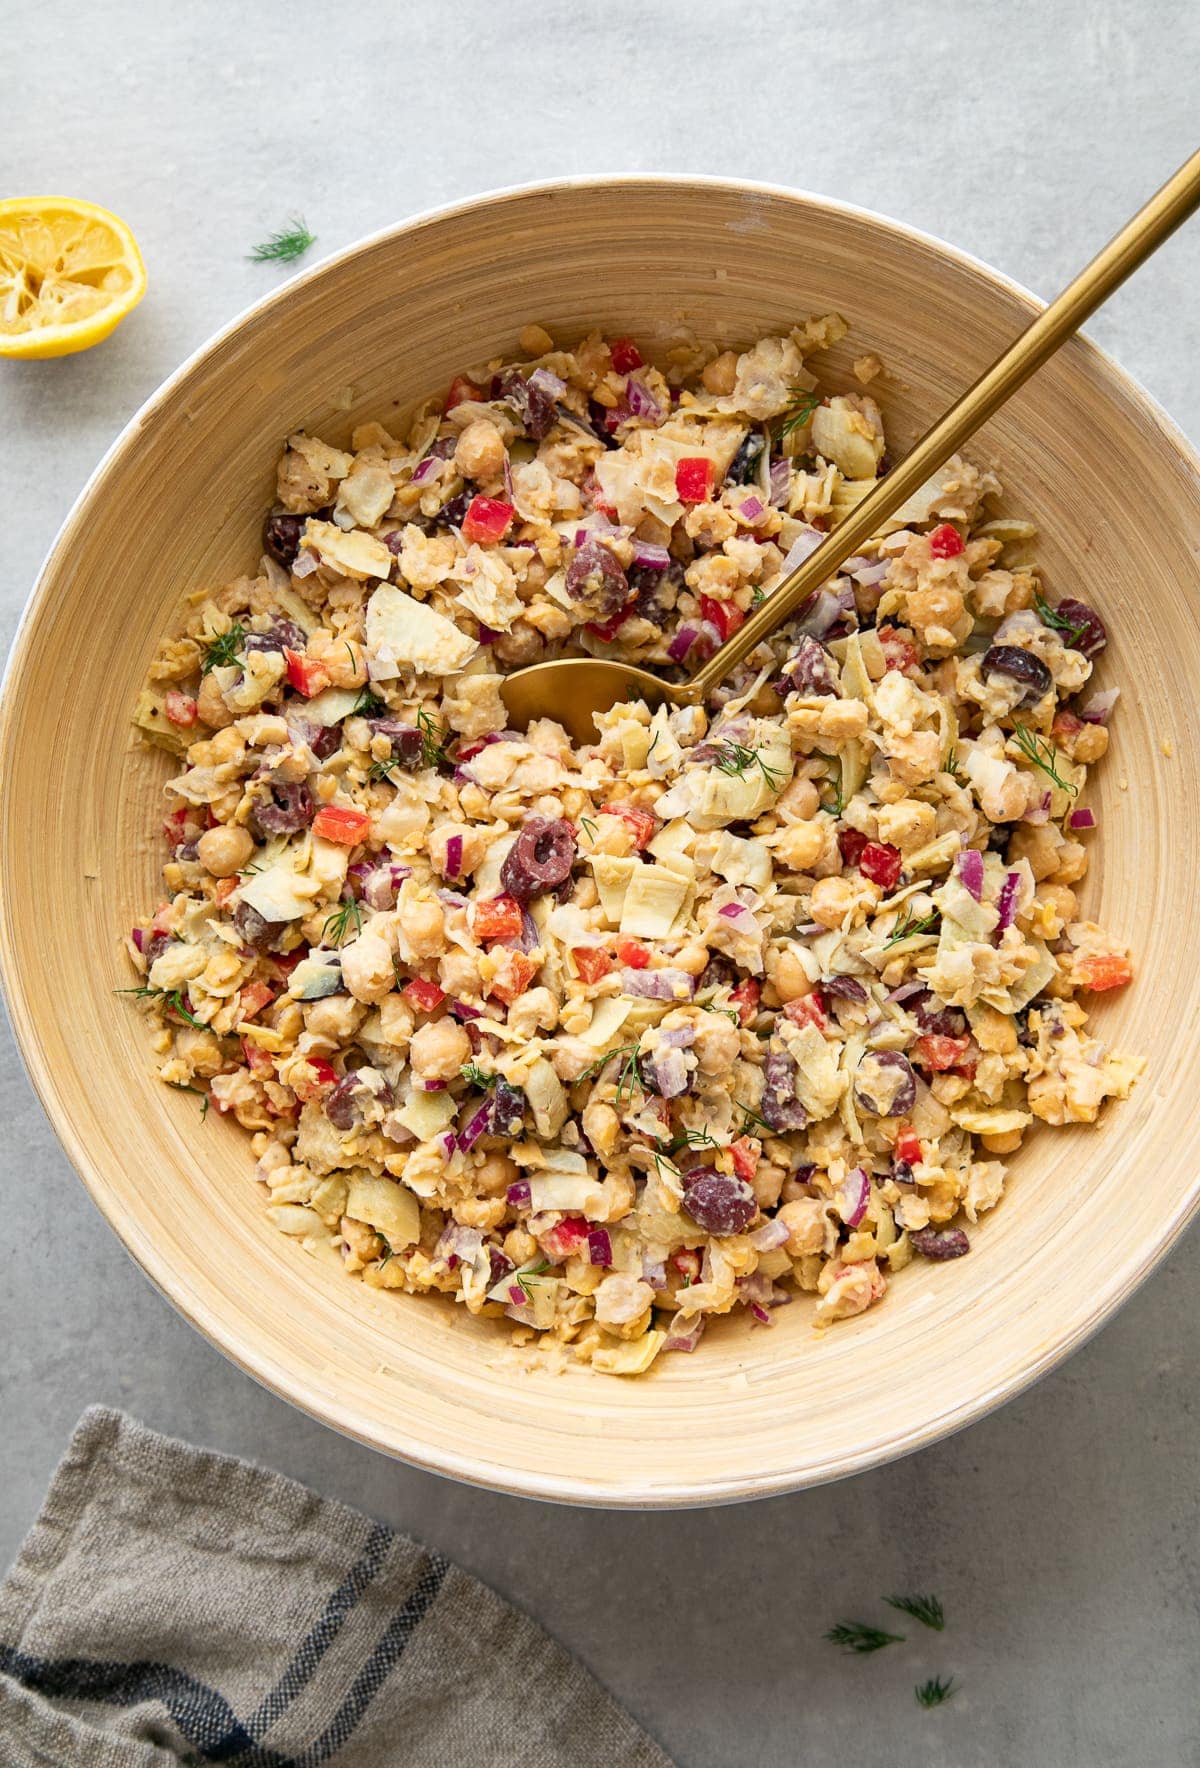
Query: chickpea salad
(730, 1003)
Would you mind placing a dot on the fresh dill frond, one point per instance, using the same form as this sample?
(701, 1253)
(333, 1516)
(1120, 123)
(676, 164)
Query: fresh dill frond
(435, 739)
(734, 758)
(336, 930)
(588, 827)
(908, 928)
(382, 770)
(952, 767)
(751, 1117)
(1051, 617)
(224, 648)
(388, 1251)
(934, 1692)
(629, 1075)
(926, 1609)
(172, 996)
(284, 247)
(691, 1139)
(799, 411)
(200, 1093)
(522, 1277)
(758, 597)
(353, 658)
(730, 1013)
(1042, 754)
(654, 744)
(857, 1636)
(368, 705)
(472, 1072)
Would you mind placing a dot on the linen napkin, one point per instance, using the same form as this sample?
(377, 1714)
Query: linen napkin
(172, 1605)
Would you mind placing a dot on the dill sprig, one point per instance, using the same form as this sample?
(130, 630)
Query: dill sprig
(799, 411)
(588, 827)
(734, 758)
(388, 1250)
(757, 597)
(730, 1013)
(926, 1609)
(472, 1072)
(1051, 617)
(434, 740)
(174, 998)
(908, 928)
(629, 1075)
(934, 1692)
(181, 1087)
(690, 1139)
(751, 1117)
(368, 705)
(522, 1277)
(290, 243)
(336, 930)
(857, 1636)
(224, 648)
(1042, 754)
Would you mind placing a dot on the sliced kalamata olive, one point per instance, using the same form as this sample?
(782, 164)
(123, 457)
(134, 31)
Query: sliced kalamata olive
(282, 809)
(1024, 667)
(254, 928)
(780, 1106)
(902, 1172)
(346, 1105)
(809, 670)
(999, 838)
(596, 581)
(280, 635)
(155, 947)
(884, 1084)
(408, 747)
(453, 512)
(933, 1017)
(940, 1243)
(655, 592)
(718, 1202)
(845, 988)
(508, 1110)
(1087, 632)
(325, 741)
(744, 465)
(501, 1265)
(539, 859)
(281, 536)
(534, 407)
(719, 972)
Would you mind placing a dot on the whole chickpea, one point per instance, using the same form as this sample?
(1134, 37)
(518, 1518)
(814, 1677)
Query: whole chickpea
(210, 707)
(720, 375)
(801, 846)
(799, 798)
(224, 850)
(496, 1174)
(424, 928)
(832, 900)
(479, 453)
(535, 340)
(439, 1049)
(693, 959)
(520, 1245)
(787, 972)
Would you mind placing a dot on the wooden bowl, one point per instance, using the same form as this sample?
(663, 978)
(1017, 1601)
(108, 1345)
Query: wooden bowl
(178, 504)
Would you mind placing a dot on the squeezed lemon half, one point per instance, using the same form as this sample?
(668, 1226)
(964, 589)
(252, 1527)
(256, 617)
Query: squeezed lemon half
(70, 271)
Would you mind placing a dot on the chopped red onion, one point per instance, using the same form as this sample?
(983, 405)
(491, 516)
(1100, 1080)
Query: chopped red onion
(670, 1074)
(518, 1194)
(1098, 709)
(678, 1037)
(906, 991)
(1083, 819)
(547, 382)
(969, 866)
(751, 508)
(486, 635)
(760, 1313)
(599, 1247)
(803, 547)
(1006, 902)
(424, 470)
(458, 1245)
(853, 1195)
(478, 1125)
(654, 1272)
(781, 482)
(685, 1335)
(867, 572)
(641, 401)
(771, 1235)
(649, 556)
(305, 564)
(449, 1143)
(682, 643)
(658, 985)
(518, 1295)
(508, 484)
(733, 911)
(433, 1086)
(454, 854)
(461, 1010)
(139, 938)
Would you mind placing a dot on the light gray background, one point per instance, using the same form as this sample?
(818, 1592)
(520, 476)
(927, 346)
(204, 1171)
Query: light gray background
(1062, 1533)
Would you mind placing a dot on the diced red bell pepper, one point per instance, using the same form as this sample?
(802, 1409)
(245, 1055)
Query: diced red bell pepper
(851, 843)
(259, 1062)
(725, 616)
(498, 917)
(305, 674)
(899, 653)
(423, 994)
(175, 826)
(939, 1053)
(591, 962)
(180, 708)
(323, 1076)
(945, 542)
(746, 1151)
(287, 961)
(633, 953)
(694, 479)
(806, 1010)
(1101, 970)
(225, 889)
(517, 971)
(253, 998)
(462, 391)
(488, 519)
(881, 863)
(643, 822)
(337, 822)
(161, 922)
(745, 998)
(625, 355)
(565, 1238)
(607, 630)
(907, 1146)
(687, 1262)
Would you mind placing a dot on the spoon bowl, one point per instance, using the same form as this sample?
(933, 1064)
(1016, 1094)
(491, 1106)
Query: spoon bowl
(573, 690)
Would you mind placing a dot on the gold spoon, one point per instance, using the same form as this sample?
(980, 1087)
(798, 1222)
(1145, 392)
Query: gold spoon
(573, 689)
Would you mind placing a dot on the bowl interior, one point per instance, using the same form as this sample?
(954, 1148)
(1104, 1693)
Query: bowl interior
(178, 505)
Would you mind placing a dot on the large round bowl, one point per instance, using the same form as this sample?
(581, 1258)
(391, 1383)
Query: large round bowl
(178, 504)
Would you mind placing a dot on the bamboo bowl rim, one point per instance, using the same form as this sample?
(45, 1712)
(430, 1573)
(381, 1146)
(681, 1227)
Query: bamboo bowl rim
(1152, 1242)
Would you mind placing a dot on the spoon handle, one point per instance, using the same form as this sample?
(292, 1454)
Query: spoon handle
(1165, 211)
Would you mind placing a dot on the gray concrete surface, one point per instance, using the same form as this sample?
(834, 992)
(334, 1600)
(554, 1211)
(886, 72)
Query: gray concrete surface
(1061, 1533)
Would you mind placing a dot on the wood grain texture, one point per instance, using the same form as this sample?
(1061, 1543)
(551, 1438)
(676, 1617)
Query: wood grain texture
(178, 503)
